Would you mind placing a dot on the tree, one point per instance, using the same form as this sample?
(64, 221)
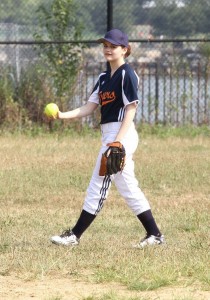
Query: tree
(175, 17)
(23, 14)
(93, 15)
(62, 61)
(123, 15)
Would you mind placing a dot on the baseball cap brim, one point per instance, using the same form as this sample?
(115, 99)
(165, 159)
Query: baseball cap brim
(102, 40)
(115, 37)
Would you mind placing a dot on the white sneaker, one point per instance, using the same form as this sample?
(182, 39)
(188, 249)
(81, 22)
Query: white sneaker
(67, 238)
(150, 240)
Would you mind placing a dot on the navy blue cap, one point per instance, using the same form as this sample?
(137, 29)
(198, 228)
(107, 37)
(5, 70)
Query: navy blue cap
(115, 37)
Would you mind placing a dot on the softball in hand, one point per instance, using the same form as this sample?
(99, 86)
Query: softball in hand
(51, 110)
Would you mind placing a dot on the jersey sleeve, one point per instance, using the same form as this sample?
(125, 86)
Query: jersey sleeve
(94, 95)
(130, 82)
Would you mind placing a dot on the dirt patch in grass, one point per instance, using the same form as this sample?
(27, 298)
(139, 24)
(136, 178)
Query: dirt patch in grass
(67, 289)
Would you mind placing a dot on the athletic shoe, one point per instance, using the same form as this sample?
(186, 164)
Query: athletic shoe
(150, 240)
(67, 238)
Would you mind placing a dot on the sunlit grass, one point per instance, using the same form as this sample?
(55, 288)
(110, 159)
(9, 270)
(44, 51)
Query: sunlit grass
(43, 184)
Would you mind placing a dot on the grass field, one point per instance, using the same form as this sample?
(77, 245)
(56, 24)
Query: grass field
(43, 181)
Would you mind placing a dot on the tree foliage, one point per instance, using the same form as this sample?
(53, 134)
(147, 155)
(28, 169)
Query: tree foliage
(167, 17)
(176, 18)
(19, 11)
(61, 60)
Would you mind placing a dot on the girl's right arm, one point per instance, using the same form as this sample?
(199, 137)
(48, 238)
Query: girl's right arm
(79, 112)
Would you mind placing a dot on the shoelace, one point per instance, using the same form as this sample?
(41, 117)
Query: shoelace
(65, 233)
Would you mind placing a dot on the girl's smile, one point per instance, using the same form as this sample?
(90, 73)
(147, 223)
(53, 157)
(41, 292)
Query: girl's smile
(113, 52)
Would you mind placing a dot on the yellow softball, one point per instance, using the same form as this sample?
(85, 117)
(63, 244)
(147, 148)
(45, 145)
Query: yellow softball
(51, 110)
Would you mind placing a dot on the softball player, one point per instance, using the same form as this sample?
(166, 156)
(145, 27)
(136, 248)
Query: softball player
(116, 93)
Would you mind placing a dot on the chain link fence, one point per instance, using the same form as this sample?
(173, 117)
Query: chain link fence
(170, 53)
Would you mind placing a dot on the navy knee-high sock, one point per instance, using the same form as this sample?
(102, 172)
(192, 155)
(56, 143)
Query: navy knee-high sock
(148, 221)
(83, 223)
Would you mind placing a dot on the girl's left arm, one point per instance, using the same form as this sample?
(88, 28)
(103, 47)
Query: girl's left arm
(127, 121)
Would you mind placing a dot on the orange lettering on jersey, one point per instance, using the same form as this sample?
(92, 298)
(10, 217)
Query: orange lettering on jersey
(107, 97)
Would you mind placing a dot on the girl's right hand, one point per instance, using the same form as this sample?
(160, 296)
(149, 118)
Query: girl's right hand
(54, 117)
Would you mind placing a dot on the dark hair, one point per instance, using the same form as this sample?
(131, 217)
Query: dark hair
(128, 51)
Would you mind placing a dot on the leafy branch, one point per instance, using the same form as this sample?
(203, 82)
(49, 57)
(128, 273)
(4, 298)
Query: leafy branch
(62, 61)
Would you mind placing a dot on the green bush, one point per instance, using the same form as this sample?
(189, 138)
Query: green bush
(7, 90)
(34, 91)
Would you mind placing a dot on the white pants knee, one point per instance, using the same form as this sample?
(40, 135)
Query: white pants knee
(125, 181)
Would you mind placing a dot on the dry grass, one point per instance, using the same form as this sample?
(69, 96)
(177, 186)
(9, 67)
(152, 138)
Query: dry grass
(43, 182)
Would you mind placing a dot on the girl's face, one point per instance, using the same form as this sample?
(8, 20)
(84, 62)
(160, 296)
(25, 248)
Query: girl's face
(112, 52)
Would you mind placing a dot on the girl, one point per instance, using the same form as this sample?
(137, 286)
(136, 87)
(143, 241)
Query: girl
(116, 93)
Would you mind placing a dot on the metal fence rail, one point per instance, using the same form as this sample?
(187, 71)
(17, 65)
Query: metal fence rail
(180, 97)
(174, 70)
(168, 94)
(171, 91)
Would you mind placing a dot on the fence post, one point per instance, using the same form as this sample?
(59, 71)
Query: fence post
(156, 93)
(109, 21)
(109, 14)
(17, 52)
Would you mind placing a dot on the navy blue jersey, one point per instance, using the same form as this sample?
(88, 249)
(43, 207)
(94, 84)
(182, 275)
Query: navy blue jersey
(115, 93)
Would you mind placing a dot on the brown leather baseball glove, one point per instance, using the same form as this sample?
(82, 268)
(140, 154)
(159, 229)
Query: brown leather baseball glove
(113, 159)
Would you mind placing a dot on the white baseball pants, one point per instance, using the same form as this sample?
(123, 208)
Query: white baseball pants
(125, 181)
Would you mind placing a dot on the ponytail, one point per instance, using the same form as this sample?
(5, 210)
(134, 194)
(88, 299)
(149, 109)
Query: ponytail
(128, 51)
